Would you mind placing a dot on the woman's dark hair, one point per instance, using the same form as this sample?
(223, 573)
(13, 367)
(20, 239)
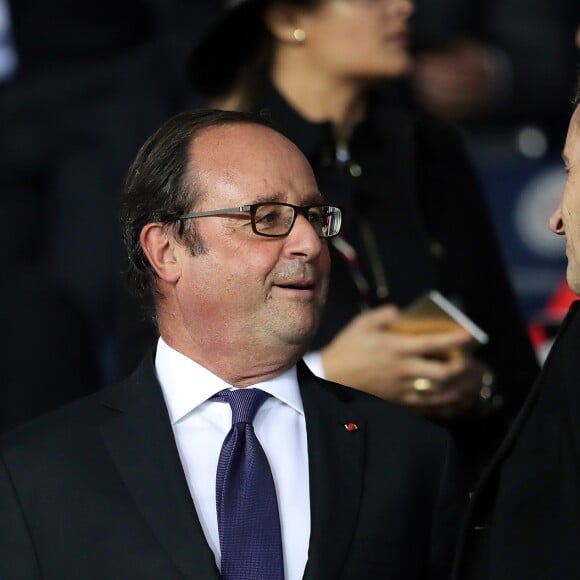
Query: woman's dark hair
(162, 185)
(234, 58)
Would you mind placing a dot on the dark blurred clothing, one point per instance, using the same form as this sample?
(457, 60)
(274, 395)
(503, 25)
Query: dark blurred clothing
(47, 350)
(95, 79)
(524, 518)
(536, 39)
(66, 34)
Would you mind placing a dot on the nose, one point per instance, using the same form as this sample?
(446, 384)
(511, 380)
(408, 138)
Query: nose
(303, 239)
(556, 222)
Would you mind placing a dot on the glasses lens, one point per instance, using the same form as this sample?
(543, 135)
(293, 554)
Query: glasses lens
(325, 220)
(272, 219)
(276, 219)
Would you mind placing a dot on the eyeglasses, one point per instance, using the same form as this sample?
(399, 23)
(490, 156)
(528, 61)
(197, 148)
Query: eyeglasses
(276, 219)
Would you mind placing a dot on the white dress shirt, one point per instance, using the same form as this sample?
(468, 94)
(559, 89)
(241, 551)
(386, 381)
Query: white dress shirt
(200, 427)
(313, 360)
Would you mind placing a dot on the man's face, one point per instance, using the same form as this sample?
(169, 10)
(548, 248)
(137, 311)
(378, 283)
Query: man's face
(566, 218)
(250, 291)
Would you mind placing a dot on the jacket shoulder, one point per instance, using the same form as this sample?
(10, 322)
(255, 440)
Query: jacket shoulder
(76, 420)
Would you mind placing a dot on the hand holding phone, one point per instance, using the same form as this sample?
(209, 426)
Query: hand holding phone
(432, 312)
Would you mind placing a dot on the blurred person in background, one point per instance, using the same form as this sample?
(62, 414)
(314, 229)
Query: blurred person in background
(500, 70)
(415, 219)
(495, 63)
(92, 80)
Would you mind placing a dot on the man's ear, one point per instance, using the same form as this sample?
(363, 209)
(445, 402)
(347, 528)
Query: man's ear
(283, 20)
(159, 246)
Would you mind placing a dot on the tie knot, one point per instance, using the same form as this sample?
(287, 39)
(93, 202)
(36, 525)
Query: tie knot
(244, 403)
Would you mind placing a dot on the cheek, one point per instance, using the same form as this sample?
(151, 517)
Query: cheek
(361, 52)
(248, 272)
(570, 206)
(342, 38)
(572, 195)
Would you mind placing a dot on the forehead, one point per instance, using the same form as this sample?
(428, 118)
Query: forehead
(572, 146)
(246, 162)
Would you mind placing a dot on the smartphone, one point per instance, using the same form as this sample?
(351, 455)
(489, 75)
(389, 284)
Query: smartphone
(432, 312)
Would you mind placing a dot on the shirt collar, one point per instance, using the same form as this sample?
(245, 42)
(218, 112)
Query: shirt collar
(186, 384)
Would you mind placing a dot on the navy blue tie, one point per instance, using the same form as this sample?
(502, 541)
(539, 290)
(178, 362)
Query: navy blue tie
(247, 509)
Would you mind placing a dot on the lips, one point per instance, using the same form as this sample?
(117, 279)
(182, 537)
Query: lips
(401, 36)
(296, 277)
(297, 285)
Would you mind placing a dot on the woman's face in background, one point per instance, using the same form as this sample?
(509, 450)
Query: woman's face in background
(360, 40)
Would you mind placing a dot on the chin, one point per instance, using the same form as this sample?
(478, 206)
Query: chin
(574, 283)
(573, 275)
(300, 334)
(395, 64)
(402, 68)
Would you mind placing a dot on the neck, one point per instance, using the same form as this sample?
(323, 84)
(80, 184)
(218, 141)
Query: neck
(328, 98)
(238, 365)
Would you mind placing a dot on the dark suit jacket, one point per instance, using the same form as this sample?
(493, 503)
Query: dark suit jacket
(524, 520)
(96, 490)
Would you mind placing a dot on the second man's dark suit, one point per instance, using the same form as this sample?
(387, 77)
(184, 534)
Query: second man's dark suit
(524, 520)
(97, 491)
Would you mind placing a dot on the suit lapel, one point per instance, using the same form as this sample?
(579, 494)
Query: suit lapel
(141, 443)
(569, 362)
(558, 372)
(556, 387)
(336, 465)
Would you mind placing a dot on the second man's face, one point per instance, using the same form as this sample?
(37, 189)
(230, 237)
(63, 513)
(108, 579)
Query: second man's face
(250, 289)
(566, 218)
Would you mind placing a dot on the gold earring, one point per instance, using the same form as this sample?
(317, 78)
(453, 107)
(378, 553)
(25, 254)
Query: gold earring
(299, 35)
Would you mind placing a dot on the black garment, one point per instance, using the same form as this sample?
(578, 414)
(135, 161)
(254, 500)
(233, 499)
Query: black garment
(96, 491)
(65, 144)
(524, 519)
(418, 200)
(95, 79)
(46, 349)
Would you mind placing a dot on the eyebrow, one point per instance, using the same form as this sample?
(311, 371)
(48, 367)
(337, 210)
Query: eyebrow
(313, 197)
